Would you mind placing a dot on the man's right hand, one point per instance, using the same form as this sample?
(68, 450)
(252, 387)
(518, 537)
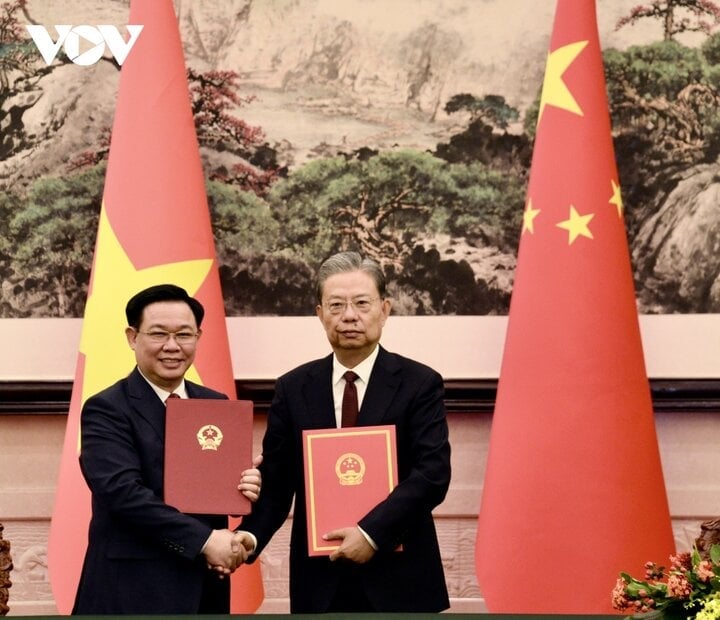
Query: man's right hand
(225, 551)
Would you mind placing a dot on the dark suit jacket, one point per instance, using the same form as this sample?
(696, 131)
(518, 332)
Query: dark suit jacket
(400, 392)
(142, 555)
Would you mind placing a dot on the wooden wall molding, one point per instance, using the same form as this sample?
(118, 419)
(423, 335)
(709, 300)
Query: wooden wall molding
(461, 396)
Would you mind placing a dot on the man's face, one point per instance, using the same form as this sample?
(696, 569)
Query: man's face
(162, 359)
(353, 329)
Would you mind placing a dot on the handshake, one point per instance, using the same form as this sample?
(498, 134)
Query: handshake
(226, 550)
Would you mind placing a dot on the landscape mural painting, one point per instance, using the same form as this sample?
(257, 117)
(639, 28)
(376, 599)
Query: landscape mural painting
(399, 128)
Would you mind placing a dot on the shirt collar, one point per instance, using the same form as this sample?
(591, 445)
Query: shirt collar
(180, 390)
(362, 370)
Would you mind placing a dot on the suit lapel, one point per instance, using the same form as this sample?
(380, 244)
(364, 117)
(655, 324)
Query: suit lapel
(384, 383)
(318, 396)
(192, 389)
(146, 402)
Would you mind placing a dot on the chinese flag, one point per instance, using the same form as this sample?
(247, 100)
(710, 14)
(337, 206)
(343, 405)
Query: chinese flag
(574, 491)
(154, 228)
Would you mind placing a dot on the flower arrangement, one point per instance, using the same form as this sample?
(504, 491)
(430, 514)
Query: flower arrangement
(689, 589)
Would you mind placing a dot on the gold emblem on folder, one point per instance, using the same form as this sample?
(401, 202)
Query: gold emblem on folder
(209, 437)
(350, 469)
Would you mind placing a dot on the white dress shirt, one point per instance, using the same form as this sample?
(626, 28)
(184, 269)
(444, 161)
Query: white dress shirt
(362, 370)
(180, 390)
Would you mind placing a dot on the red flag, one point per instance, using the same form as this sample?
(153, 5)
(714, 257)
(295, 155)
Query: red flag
(574, 491)
(154, 228)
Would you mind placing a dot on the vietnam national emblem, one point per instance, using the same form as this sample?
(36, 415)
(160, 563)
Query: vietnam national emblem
(209, 437)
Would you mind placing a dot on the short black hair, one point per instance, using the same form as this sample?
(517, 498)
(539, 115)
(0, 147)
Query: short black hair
(160, 292)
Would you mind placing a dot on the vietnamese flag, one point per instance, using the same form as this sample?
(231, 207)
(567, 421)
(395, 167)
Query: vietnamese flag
(574, 490)
(154, 228)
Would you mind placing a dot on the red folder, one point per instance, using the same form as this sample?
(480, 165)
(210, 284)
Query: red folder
(348, 471)
(208, 443)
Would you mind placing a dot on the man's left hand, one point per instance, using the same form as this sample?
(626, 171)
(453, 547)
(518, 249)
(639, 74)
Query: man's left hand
(354, 546)
(251, 480)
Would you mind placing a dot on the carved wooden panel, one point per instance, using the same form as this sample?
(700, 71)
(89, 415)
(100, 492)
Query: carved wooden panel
(5, 568)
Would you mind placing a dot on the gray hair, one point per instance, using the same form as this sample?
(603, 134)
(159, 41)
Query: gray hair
(344, 262)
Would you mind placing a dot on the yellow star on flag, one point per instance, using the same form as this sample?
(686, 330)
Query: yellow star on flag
(555, 92)
(577, 225)
(529, 216)
(616, 198)
(108, 356)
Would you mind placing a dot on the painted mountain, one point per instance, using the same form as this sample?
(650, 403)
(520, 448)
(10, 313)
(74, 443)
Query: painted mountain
(400, 128)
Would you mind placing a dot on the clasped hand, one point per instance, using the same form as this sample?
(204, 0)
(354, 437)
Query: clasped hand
(226, 550)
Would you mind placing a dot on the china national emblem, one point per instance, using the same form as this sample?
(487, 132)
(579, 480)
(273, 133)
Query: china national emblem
(350, 469)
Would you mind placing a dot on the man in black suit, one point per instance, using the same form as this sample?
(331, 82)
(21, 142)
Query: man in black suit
(366, 573)
(144, 556)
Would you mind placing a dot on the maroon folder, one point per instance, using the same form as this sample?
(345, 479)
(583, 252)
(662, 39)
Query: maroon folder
(208, 443)
(348, 471)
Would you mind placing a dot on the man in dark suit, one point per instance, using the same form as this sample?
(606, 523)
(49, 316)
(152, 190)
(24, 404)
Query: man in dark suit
(366, 573)
(144, 556)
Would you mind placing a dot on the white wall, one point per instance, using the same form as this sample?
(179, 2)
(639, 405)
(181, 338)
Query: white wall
(459, 347)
